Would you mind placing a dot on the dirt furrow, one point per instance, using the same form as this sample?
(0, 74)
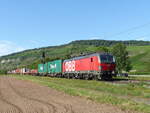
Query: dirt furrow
(13, 109)
(10, 107)
(46, 107)
(26, 105)
(67, 109)
(50, 106)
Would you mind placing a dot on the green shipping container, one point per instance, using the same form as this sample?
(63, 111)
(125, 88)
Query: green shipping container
(42, 68)
(55, 66)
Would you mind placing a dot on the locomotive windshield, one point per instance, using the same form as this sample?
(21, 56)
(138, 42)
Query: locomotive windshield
(107, 59)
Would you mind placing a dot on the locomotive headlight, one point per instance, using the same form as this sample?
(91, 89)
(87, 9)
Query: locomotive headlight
(113, 72)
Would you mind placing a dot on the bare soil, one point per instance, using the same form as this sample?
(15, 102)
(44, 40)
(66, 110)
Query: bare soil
(19, 96)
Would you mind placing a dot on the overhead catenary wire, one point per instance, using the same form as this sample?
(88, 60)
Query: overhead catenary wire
(129, 30)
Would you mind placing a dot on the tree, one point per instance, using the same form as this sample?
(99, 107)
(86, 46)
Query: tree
(102, 49)
(3, 71)
(122, 59)
(98, 49)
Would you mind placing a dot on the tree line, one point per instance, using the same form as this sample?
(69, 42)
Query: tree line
(111, 42)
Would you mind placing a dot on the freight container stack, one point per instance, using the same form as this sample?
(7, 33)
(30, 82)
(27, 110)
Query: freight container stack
(42, 69)
(52, 68)
(55, 67)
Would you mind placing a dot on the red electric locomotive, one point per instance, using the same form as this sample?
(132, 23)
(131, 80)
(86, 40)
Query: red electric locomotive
(93, 66)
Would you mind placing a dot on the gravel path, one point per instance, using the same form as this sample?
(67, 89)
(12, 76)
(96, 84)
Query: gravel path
(18, 96)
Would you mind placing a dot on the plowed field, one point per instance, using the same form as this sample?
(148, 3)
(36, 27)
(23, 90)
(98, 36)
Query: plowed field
(19, 96)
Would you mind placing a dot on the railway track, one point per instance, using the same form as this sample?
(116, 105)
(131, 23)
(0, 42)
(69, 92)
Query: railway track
(127, 81)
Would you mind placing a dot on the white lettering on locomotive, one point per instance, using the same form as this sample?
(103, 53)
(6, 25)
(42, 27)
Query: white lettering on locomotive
(70, 66)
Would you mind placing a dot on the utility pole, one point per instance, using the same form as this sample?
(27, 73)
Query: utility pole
(43, 57)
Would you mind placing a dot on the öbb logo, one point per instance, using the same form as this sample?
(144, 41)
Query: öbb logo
(70, 66)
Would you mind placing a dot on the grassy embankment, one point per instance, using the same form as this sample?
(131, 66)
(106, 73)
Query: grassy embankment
(140, 59)
(121, 95)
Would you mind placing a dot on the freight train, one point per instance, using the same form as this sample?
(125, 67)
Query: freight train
(93, 66)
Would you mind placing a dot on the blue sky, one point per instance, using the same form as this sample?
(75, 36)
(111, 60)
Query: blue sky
(28, 24)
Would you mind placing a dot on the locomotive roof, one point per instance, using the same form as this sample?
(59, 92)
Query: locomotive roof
(86, 56)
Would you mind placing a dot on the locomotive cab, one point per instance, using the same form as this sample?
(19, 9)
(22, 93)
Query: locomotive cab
(106, 66)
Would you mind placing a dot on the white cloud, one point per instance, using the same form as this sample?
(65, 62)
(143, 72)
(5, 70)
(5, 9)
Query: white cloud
(95, 38)
(143, 38)
(34, 42)
(7, 47)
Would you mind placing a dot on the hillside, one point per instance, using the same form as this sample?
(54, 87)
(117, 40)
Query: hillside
(140, 58)
(139, 52)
